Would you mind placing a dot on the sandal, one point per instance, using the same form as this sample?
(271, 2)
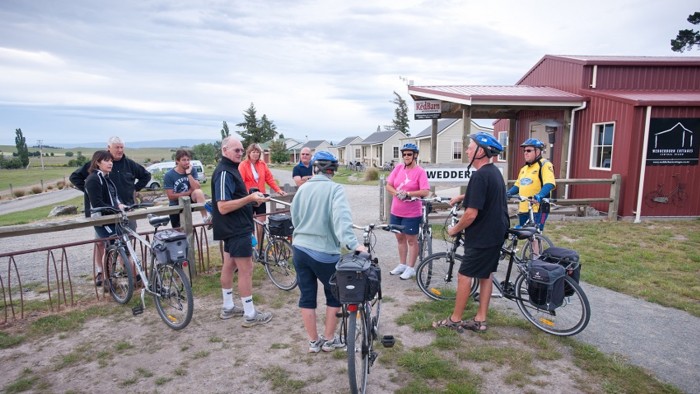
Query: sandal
(448, 323)
(475, 325)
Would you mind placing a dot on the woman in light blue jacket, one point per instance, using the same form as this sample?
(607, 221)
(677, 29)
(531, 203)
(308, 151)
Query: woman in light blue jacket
(322, 225)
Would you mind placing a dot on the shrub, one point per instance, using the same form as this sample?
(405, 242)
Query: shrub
(49, 187)
(60, 185)
(69, 154)
(37, 190)
(371, 174)
(19, 193)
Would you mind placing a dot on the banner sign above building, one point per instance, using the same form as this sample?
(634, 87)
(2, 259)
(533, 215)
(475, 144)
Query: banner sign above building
(673, 142)
(427, 109)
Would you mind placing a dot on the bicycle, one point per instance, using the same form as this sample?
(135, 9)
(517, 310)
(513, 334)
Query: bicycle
(276, 256)
(425, 230)
(568, 319)
(539, 242)
(165, 281)
(677, 196)
(359, 328)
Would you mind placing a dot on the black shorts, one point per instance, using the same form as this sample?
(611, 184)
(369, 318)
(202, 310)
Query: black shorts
(260, 210)
(241, 246)
(480, 262)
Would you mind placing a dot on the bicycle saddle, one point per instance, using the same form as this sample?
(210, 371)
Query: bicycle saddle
(522, 233)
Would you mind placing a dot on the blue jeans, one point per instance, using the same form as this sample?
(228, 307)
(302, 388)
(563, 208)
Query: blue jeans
(309, 271)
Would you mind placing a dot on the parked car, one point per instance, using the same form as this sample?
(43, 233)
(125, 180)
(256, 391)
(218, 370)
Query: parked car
(162, 168)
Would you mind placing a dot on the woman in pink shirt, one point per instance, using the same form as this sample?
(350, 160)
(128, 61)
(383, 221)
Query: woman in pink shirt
(256, 174)
(405, 181)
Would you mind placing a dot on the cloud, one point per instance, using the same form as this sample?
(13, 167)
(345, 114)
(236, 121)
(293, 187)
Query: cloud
(154, 69)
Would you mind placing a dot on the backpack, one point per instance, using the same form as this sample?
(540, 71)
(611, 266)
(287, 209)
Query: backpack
(568, 259)
(546, 285)
(170, 246)
(281, 225)
(356, 279)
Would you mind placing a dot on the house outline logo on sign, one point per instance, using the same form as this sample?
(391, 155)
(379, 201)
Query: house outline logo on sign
(673, 142)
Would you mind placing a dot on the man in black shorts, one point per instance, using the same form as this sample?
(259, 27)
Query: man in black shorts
(484, 222)
(233, 224)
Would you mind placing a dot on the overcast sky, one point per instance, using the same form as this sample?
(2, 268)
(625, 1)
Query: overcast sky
(84, 70)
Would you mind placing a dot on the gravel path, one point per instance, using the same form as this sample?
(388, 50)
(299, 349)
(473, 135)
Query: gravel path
(653, 337)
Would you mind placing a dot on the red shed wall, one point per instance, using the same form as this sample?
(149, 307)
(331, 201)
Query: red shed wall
(566, 76)
(648, 78)
(690, 175)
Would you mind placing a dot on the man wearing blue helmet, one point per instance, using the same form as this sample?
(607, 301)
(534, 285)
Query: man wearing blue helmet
(322, 224)
(484, 223)
(535, 180)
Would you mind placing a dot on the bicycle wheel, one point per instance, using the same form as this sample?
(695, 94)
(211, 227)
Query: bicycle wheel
(678, 198)
(652, 199)
(173, 295)
(119, 276)
(358, 350)
(437, 277)
(425, 244)
(569, 319)
(533, 249)
(279, 263)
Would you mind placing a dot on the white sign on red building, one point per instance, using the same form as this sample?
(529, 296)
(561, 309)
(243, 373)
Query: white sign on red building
(427, 109)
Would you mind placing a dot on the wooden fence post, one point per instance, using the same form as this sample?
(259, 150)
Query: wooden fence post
(186, 222)
(615, 188)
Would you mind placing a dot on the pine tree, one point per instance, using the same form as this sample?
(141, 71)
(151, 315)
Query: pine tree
(401, 115)
(22, 150)
(687, 38)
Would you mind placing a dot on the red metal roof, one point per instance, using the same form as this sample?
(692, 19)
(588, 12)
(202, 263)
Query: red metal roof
(629, 60)
(654, 98)
(475, 95)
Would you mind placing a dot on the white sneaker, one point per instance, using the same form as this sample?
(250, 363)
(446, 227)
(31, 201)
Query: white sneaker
(332, 344)
(408, 273)
(398, 270)
(315, 346)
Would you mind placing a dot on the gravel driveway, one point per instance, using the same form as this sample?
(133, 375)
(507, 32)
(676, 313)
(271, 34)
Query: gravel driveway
(656, 338)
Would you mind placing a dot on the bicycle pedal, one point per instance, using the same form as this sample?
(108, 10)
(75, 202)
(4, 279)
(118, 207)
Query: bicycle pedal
(388, 341)
(137, 310)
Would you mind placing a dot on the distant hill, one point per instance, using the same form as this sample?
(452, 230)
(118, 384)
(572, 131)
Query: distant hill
(142, 144)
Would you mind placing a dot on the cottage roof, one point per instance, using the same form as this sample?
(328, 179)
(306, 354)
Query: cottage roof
(379, 137)
(347, 141)
(313, 144)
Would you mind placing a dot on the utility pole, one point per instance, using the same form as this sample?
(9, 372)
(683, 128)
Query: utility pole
(41, 152)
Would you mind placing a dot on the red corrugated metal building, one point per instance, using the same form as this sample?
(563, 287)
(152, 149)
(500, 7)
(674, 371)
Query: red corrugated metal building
(601, 115)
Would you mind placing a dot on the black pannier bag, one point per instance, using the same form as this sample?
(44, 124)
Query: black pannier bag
(281, 225)
(356, 279)
(170, 246)
(568, 259)
(546, 285)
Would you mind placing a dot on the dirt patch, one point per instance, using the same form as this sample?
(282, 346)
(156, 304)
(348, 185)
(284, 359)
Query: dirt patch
(140, 354)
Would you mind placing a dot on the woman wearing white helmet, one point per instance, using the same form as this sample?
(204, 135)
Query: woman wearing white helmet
(405, 181)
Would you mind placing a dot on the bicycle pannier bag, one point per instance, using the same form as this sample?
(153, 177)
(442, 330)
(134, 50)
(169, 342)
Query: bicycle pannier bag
(546, 285)
(281, 225)
(568, 259)
(355, 279)
(170, 246)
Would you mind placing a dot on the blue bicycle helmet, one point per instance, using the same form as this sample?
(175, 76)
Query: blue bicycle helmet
(488, 143)
(534, 142)
(410, 146)
(324, 161)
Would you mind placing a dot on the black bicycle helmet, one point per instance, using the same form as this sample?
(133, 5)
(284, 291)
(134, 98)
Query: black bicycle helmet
(324, 161)
(488, 143)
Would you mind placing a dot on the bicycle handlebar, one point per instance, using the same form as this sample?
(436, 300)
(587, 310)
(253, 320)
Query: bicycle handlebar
(430, 199)
(394, 228)
(127, 208)
(530, 199)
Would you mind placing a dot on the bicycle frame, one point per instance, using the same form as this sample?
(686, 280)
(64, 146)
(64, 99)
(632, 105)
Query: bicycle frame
(359, 328)
(169, 286)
